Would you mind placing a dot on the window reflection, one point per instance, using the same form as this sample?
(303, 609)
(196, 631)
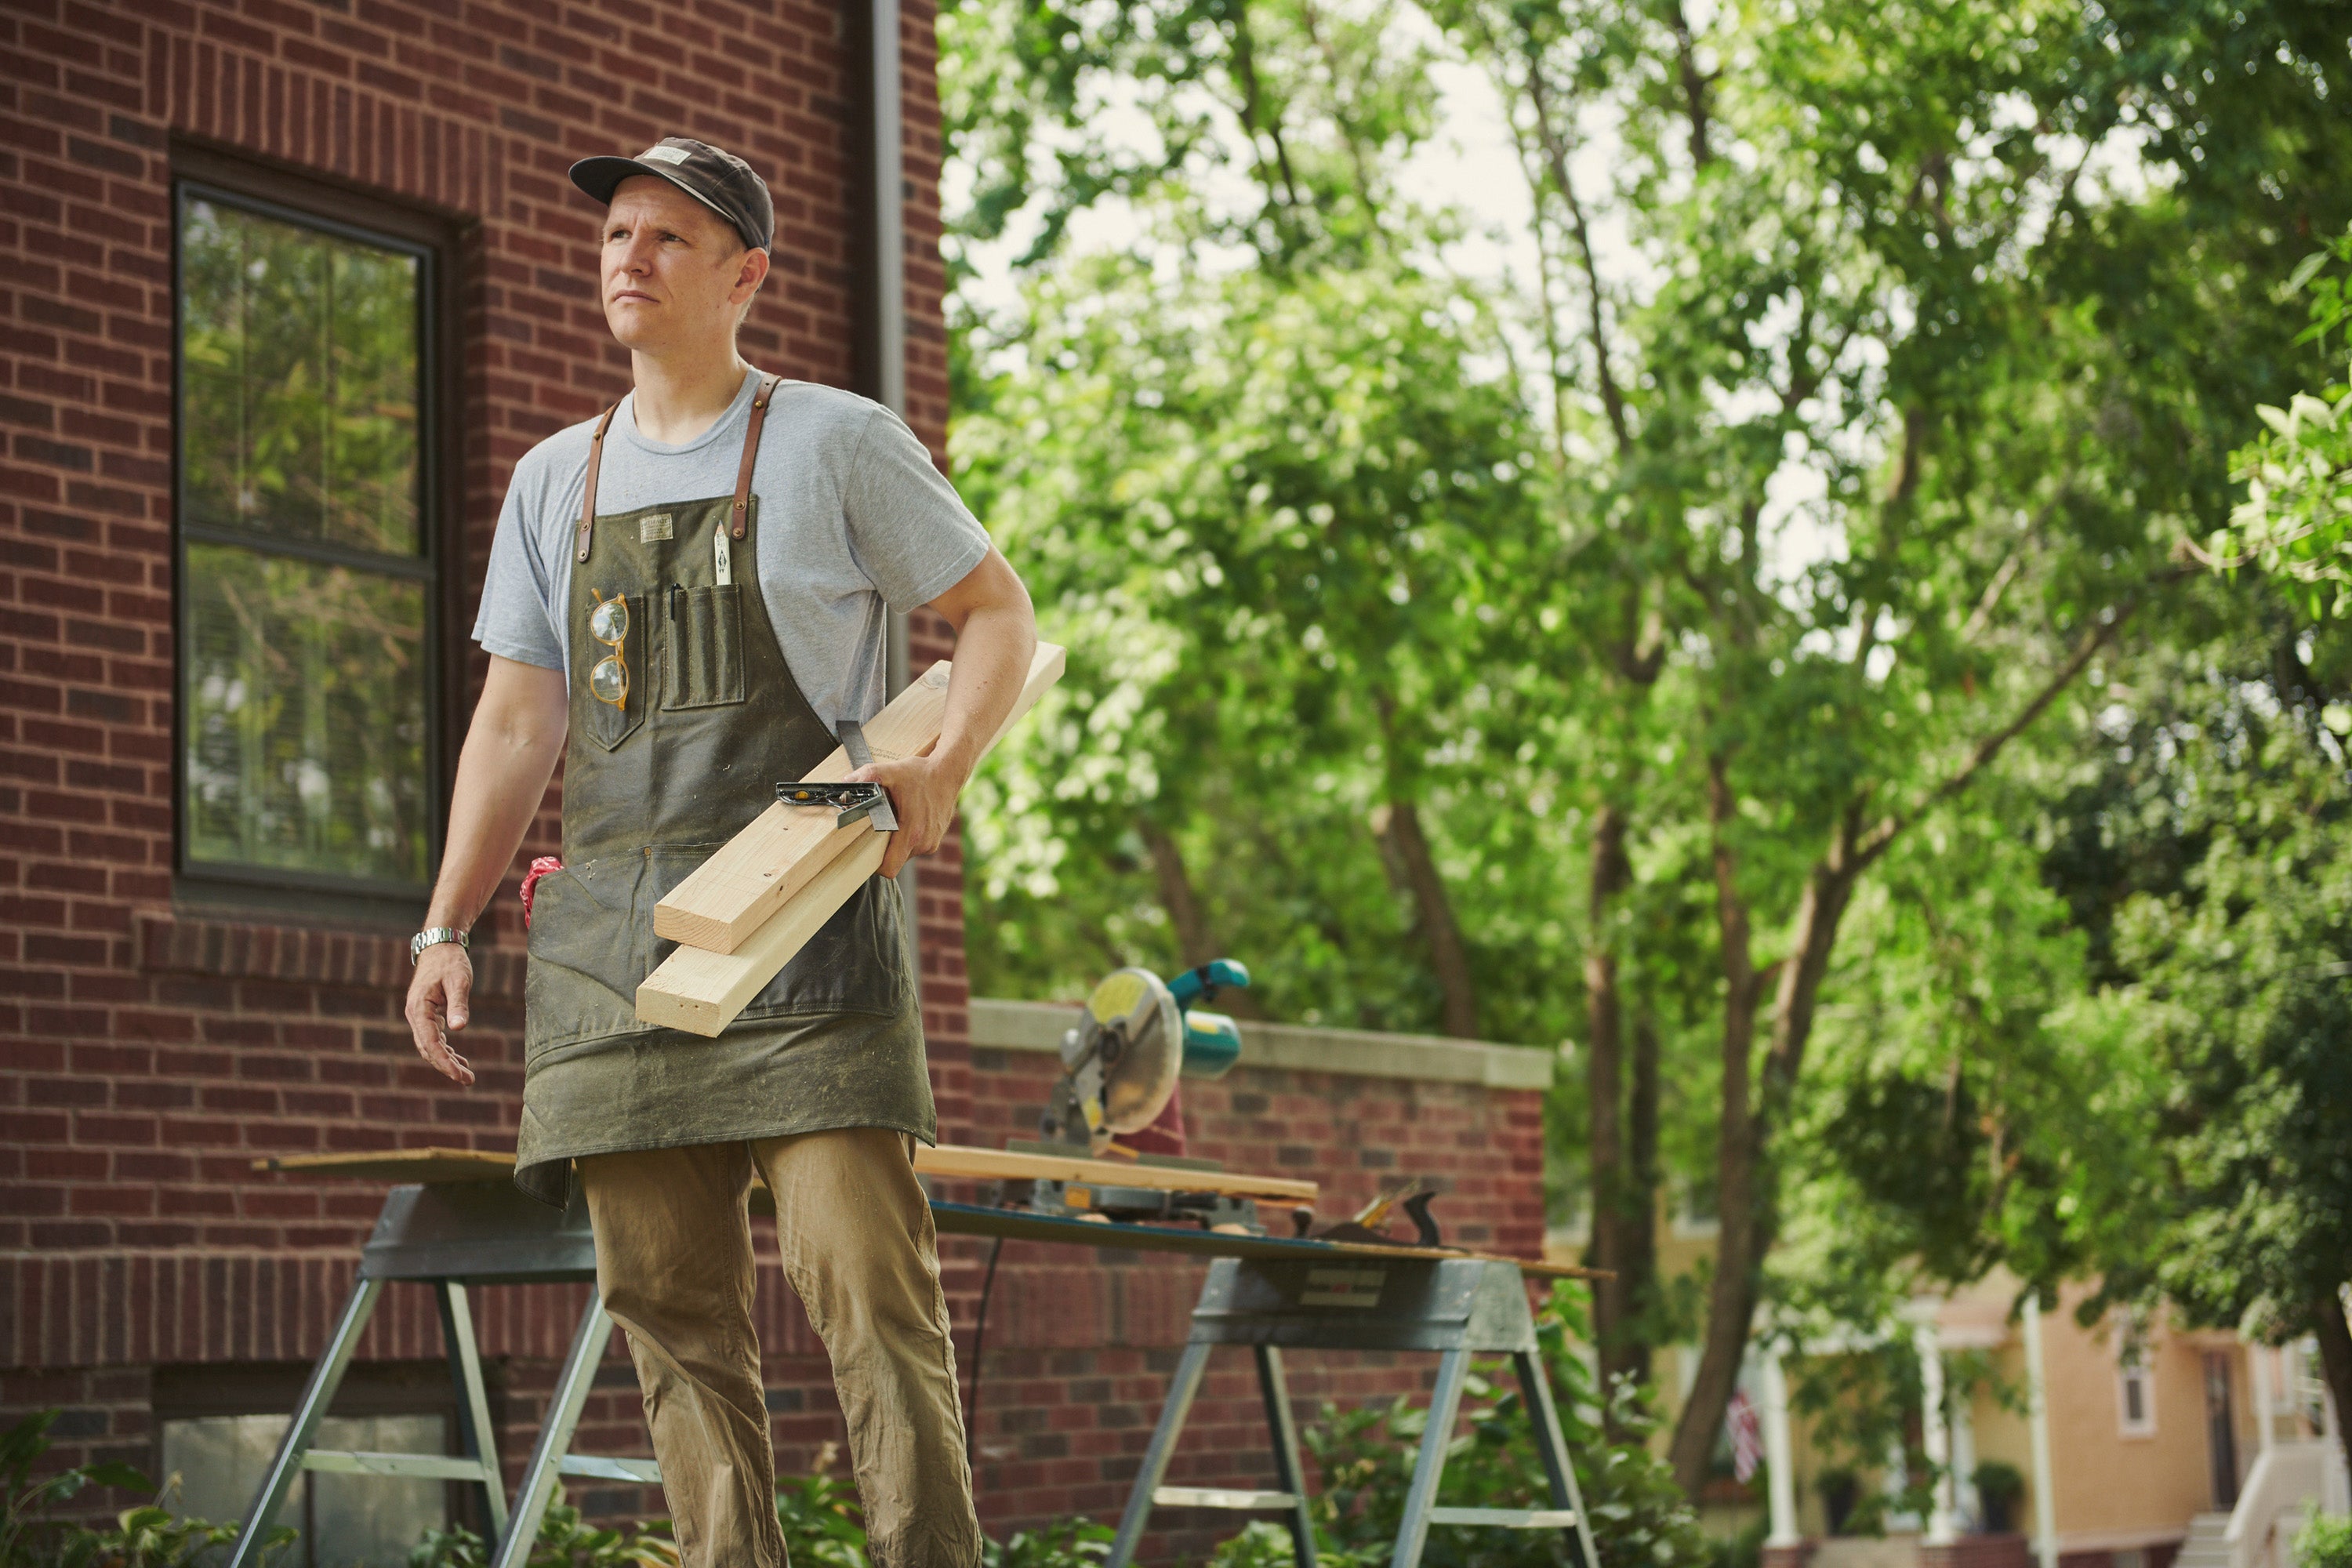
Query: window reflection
(304, 676)
(305, 716)
(299, 354)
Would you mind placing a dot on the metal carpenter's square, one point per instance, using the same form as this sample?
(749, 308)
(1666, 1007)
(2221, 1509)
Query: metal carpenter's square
(861, 755)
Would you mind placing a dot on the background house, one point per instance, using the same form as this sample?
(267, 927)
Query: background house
(2157, 1444)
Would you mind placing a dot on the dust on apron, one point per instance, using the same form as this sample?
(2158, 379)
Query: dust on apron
(708, 719)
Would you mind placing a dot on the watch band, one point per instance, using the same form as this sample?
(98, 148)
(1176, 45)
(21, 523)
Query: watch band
(433, 936)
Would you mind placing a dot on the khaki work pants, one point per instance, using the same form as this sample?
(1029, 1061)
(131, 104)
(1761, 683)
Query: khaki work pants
(674, 1263)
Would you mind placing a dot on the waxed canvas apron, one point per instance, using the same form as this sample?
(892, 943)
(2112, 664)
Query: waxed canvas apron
(713, 719)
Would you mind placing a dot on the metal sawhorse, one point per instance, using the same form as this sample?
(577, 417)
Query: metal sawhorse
(450, 1236)
(1459, 1306)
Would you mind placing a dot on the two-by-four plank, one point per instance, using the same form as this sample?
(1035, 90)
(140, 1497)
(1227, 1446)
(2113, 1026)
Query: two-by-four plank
(701, 991)
(748, 878)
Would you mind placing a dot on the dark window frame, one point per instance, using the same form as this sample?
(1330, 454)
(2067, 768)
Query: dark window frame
(204, 173)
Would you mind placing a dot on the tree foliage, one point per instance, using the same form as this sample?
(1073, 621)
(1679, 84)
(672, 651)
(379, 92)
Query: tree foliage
(1689, 644)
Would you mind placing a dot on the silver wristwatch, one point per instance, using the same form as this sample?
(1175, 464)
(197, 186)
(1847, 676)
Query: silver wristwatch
(433, 936)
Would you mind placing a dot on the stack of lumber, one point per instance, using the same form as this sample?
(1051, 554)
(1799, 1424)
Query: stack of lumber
(743, 914)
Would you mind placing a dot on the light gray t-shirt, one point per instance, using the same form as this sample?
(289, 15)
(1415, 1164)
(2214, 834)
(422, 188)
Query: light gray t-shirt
(852, 517)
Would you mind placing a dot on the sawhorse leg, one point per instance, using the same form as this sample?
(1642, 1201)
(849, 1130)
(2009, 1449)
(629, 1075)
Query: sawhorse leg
(539, 1477)
(326, 1377)
(475, 1439)
(1187, 1383)
(1288, 1475)
(1420, 1496)
(1284, 1429)
(1553, 1447)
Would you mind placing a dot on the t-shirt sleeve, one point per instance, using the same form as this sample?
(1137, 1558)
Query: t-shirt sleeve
(913, 536)
(514, 621)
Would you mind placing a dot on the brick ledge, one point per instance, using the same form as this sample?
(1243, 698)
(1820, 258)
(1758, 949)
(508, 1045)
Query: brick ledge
(262, 950)
(1357, 1053)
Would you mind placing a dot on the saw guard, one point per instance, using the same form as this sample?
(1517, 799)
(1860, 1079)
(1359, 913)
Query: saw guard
(1133, 1031)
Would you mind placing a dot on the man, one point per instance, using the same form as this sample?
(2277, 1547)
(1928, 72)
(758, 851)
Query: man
(684, 597)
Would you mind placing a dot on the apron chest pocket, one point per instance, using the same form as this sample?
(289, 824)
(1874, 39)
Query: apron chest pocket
(705, 667)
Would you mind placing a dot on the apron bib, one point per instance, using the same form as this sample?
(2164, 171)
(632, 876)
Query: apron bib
(708, 719)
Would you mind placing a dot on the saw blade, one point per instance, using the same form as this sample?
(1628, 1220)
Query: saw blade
(1133, 1030)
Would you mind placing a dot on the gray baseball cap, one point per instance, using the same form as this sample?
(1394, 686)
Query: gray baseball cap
(711, 176)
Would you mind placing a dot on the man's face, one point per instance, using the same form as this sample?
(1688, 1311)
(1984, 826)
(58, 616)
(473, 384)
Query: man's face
(675, 273)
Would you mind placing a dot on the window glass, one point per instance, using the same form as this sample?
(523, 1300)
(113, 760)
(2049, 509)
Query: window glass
(305, 716)
(2135, 1400)
(218, 1463)
(299, 355)
(305, 604)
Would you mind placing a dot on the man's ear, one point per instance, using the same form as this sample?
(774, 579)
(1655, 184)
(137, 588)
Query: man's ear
(749, 277)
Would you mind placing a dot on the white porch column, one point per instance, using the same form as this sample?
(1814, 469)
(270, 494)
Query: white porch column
(1780, 1460)
(2045, 1506)
(1935, 1434)
(2259, 1360)
(1964, 1463)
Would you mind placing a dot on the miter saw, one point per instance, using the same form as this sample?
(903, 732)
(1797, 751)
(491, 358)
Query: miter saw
(1136, 1037)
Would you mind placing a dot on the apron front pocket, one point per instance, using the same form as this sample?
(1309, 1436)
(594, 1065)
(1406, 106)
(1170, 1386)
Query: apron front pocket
(609, 724)
(704, 663)
(587, 953)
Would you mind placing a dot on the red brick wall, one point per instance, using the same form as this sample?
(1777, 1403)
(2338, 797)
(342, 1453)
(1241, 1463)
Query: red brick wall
(148, 1055)
(147, 1058)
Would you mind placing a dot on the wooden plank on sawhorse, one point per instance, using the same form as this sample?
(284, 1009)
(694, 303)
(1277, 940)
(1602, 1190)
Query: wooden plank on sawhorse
(1458, 1306)
(452, 1235)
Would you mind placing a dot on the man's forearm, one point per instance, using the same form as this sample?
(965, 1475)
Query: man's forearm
(510, 753)
(991, 661)
(496, 797)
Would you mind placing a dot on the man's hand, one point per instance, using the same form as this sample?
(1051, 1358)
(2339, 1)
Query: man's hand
(923, 792)
(439, 999)
(996, 636)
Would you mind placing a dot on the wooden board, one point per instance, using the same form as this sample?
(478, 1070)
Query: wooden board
(700, 991)
(962, 1161)
(1023, 1225)
(749, 880)
(730, 896)
(429, 1165)
(953, 1162)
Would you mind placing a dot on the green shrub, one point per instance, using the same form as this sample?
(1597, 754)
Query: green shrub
(2325, 1541)
(2000, 1488)
(1065, 1543)
(144, 1536)
(823, 1523)
(564, 1542)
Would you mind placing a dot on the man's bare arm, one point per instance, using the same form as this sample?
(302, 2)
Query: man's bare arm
(996, 636)
(511, 749)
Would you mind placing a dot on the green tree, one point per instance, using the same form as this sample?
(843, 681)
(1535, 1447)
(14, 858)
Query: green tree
(2206, 855)
(1927, 339)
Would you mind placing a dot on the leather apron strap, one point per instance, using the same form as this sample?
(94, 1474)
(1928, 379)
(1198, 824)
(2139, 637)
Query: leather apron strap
(750, 457)
(588, 499)
(584, 534)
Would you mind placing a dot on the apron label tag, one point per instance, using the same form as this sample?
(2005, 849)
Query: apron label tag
(723, 560)
(655, 529)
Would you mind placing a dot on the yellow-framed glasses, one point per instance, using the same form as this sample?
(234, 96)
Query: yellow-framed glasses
(608, 623)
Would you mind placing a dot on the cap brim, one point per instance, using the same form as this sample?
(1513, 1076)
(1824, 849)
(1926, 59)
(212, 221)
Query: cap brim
(600, 178)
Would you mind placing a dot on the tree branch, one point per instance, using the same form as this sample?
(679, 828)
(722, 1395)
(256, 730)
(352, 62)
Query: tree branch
(1695, 83)
(1981, 756)
(1556, 156)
